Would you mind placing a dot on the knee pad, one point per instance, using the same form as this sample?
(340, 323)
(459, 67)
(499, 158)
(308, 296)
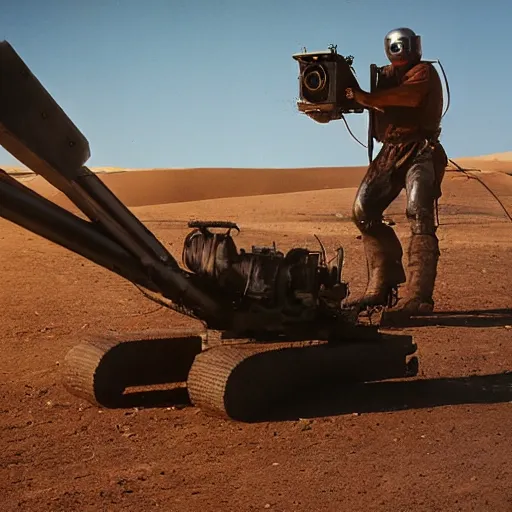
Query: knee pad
(421, 205)
(422, 222)
(365, 225)
(365, 219)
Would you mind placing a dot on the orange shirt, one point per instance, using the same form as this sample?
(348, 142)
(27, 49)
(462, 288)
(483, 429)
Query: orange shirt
(412, 103)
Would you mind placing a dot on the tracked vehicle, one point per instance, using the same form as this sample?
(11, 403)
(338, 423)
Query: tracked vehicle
(272, 322)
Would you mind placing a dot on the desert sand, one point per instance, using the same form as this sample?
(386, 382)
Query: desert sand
(442, 441)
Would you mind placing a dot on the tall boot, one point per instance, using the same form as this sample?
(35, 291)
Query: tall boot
(421, 277)
(385, 271)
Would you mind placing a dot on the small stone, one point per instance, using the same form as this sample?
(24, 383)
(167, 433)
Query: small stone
(275, 463)
(267, 505)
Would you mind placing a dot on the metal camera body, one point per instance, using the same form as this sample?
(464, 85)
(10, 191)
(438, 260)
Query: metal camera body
(323, 78)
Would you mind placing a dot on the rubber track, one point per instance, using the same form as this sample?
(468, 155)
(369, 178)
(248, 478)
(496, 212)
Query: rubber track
(99, 369)
(244, 382)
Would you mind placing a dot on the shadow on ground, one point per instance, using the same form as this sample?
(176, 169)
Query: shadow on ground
(395, 396)
(349, 398)
(469, 318)
(150, 399)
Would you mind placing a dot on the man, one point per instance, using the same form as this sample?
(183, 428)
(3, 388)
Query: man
(407, 109)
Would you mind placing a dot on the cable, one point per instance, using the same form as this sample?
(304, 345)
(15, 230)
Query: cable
(484, 185)
(447, 89)
(446, 83)
(164, 301)
(350, 131)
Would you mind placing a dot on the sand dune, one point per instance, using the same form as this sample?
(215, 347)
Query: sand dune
(494, 162)
(502, 157)
(484, 164)
(138, 187)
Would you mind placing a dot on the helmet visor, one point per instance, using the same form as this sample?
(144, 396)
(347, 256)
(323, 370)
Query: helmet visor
(399, 46)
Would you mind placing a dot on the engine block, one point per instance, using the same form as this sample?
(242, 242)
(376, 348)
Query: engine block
(291, 283)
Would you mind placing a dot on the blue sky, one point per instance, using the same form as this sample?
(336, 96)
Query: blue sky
(189, 83)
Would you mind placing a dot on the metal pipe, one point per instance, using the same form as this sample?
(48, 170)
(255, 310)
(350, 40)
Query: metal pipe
(29, 210)
(40, 216)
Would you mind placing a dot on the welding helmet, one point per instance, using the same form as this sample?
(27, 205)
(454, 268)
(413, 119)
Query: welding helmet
(402, 46)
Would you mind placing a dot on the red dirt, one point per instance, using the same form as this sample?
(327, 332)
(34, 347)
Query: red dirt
(425, 445)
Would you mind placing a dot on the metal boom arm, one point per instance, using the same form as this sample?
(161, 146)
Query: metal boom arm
(35, 130)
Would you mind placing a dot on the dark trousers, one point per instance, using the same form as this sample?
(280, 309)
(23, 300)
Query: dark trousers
(418, 168)
(386, 178)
